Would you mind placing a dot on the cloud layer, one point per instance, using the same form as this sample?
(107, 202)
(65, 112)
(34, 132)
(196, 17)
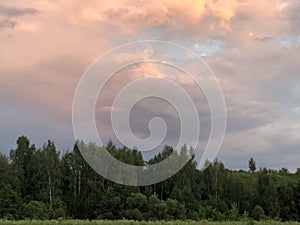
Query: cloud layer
(251, 46)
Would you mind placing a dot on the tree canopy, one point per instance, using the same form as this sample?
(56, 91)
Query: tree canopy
(42, 183)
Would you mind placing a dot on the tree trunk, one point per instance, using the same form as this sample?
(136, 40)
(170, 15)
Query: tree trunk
(50, 188)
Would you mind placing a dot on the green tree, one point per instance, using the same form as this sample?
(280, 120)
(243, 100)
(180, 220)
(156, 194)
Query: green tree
(287, 203)
(77, 182)
(39, 184)
(136, 206)
(252, 165)
(10, 202)
(267, 196)
(297, 199)
(233, 214)
(215, 177)
(24, 161)
(175, 210)
(284, 170)
(157, 209)
(50, 174)
(110, 205)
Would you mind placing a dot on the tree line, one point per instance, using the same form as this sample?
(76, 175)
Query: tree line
(42, 183)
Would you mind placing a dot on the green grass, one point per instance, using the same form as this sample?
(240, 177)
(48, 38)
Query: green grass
(128, 222)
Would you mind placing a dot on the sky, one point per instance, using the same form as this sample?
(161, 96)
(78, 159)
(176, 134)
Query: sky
(252, 47)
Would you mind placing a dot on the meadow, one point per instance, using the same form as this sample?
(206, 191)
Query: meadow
(130, 222)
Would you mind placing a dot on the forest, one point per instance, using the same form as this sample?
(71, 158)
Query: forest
(44, 183)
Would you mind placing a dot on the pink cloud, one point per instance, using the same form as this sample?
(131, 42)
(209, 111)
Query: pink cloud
(44, 54)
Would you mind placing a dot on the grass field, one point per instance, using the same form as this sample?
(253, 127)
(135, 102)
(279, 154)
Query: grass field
(127, 222)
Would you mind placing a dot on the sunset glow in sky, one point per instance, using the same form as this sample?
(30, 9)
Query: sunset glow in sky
(252, 46)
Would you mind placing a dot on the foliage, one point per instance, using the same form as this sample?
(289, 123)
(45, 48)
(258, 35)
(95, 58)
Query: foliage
(258, 213)
(131, 222)
(42, 183)
(35, 210)
(252, 165)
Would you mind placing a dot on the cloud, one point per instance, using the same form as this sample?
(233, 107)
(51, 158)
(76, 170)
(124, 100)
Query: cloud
(15, 12)
(8, 12)
(174, 17)
(244, 115)
(260, 38)
(251, 47)
(273, 145)
(291, 17)
(7, 24)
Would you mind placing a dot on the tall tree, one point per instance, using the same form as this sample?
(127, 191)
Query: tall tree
(10, 200)
(24, 161)
(267, 196)
(252, 165)
(50, 174)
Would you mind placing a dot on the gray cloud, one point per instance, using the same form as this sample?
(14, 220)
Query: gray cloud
(244, 114)
(274, 146)
(11, 12)
(263, 39)
(14, 11)
(7, 24)
(259, 75)
(149, 108)
(291, 18)
(16, 121)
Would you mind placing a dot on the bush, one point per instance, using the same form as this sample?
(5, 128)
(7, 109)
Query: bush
(58, 210)
(157, 209)
(210, 213)
(193, 216)
(250, 222)
(258, 213)
(175, 209)
(35, 210)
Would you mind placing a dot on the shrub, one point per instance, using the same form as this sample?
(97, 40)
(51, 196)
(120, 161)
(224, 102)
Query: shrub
(35, 210)
(258, 213)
